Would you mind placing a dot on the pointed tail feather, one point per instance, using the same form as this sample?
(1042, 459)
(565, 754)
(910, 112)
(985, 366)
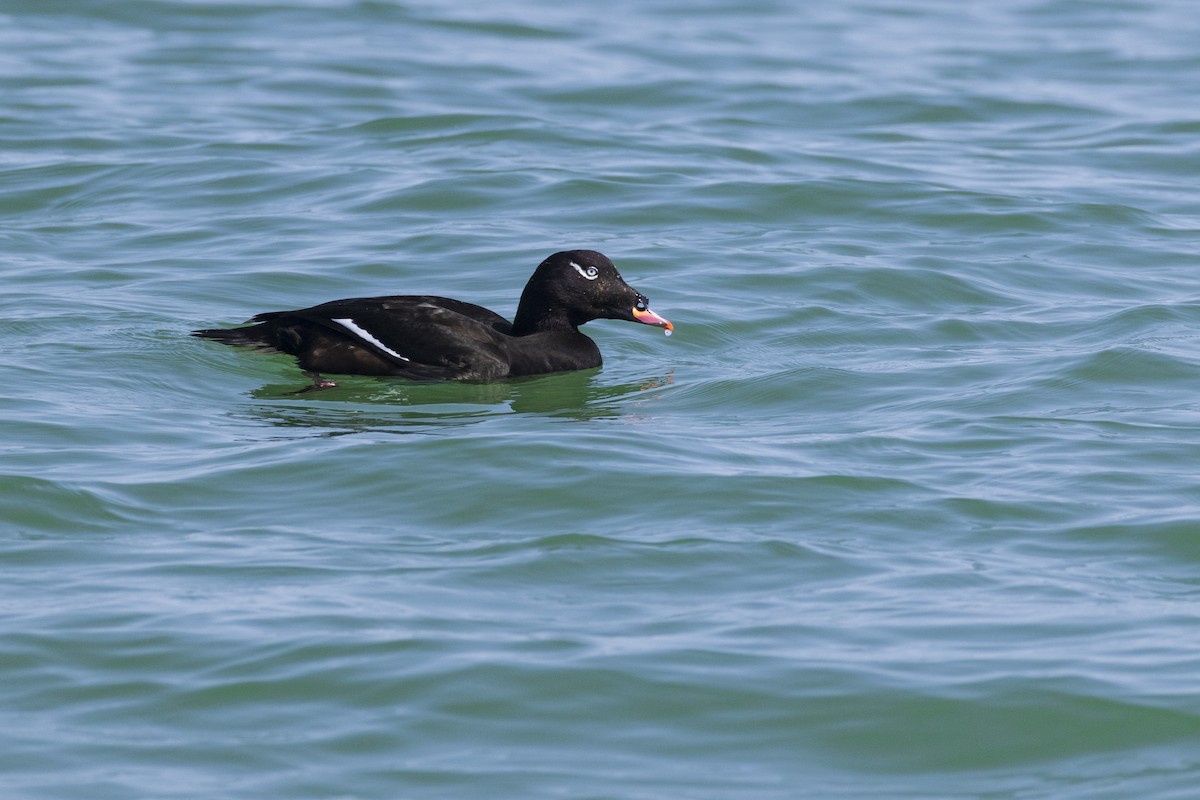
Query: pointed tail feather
(249, 336)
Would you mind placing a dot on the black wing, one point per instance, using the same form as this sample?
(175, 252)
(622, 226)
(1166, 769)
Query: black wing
(415, 336)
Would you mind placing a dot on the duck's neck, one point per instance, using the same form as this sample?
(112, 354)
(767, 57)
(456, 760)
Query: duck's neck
(537, 316)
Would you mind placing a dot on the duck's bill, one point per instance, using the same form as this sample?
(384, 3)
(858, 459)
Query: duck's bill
(648, 317)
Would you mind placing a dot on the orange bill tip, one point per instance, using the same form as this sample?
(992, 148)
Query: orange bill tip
(648, 317)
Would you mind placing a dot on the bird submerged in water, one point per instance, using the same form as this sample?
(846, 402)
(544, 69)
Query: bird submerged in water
(436, 338)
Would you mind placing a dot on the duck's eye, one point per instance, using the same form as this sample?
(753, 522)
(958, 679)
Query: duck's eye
(591, 273)
(641, 305)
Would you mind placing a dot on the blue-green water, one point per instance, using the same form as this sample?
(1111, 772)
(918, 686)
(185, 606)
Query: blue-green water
(908, 507)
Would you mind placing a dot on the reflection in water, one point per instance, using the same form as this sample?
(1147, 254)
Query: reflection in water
(400, 406)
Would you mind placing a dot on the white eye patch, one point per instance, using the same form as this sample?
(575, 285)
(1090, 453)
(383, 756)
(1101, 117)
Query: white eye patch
(358, 331)
(591, 273)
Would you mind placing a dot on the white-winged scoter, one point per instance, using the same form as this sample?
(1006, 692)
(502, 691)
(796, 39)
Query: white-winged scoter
(437, 338)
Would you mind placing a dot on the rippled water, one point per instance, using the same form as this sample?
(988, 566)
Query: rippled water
(909, 506)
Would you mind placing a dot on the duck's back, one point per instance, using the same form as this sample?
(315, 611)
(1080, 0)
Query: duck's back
(399, 308)
(416, 336)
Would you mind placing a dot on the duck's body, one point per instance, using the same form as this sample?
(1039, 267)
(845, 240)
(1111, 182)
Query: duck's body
(437, 338)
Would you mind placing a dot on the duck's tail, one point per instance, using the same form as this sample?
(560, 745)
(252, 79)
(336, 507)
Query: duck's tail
(259, 336)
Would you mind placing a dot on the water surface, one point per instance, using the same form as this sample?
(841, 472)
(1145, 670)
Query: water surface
(908, 507)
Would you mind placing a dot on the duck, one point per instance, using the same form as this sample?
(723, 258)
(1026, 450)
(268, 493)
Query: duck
(430, 338)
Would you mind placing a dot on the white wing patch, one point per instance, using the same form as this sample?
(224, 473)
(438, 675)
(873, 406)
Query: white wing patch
(591, 273)
(354, 328)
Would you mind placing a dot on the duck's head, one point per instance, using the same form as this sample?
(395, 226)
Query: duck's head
(573, 287)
